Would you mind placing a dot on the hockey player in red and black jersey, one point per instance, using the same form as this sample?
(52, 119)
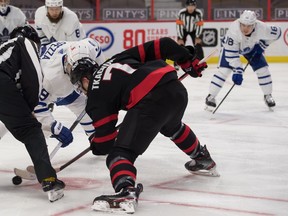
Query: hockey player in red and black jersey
(139, 81)
(20, 84)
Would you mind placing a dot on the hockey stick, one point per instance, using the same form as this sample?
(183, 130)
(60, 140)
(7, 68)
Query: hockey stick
(73, 126)
(230, 89)
(81, 154)
(29, 173)
(52, 154)
(200, 62)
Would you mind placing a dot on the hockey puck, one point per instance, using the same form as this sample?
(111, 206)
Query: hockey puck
(17, 180)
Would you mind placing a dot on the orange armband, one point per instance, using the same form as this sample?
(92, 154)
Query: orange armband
(200, 23)
(179, 22)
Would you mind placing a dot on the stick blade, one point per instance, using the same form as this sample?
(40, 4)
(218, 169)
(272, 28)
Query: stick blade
(24, 174)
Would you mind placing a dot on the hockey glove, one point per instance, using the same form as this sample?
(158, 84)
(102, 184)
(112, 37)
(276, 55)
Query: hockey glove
(100, 148)
(237, 76)
(61, 133)
(193, 68)
(260, 47)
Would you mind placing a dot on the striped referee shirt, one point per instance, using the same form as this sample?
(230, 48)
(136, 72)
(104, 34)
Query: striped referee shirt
(19, 60)
(187, 22)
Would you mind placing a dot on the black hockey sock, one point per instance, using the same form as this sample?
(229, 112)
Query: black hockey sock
(122, 174)
(187, 141)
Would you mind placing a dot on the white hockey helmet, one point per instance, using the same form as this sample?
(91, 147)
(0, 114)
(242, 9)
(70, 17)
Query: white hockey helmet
(53, 3)
(84, 48)
(76, 51)
(4, 5)
(248, 17)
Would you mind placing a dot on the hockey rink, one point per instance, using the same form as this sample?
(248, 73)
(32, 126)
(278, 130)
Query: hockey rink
(248, 142)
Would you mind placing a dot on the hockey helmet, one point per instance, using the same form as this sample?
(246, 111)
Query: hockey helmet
(53, 3)
(81, 49)
(191, 2)
(26, 31)
(83, 67)
(191, 49)
(76, 51)
(248, 17)
(4, 6)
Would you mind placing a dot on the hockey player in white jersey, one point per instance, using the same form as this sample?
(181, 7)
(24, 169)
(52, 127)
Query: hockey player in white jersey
(249, 37)
(58, 89)
(54, 22)
(10, 18)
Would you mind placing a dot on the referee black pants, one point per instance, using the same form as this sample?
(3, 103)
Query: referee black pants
(18, 119)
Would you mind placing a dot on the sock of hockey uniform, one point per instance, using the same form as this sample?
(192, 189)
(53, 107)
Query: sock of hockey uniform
(122, 174)
(186, 140)
(265, 80)
(218, 81)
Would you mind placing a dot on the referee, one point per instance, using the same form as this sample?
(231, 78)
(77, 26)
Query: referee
(20, 83)
(190, 22)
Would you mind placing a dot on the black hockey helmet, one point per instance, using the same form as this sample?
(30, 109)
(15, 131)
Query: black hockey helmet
(191, 2)
(191, 49)
(84, 67)
(26, 31)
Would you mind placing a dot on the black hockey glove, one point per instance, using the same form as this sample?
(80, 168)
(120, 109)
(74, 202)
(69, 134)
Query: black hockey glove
(100, 148)
(193, 68)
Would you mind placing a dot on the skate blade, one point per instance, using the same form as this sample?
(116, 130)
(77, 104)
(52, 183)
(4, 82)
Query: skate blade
(271, 109)
(101, 206)
(211, 172)
(54, 195)
(127, 207)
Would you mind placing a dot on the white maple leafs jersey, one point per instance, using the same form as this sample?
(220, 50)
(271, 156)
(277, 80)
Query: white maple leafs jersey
(68, 28)
(238, 44)
(57, 87)
(13, 18)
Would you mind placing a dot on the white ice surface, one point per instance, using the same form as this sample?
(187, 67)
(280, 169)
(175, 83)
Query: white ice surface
(248, 142)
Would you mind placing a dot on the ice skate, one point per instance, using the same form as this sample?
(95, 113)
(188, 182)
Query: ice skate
(202, 164)
(54, 188)
(269, 101)
(125, 201)
(210, 103)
